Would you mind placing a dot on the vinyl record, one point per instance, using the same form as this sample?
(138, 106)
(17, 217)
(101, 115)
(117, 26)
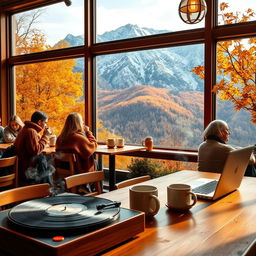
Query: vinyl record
(63, 213)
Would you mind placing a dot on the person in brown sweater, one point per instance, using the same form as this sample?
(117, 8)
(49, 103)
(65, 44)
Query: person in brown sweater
(76, 138)
(29, 143)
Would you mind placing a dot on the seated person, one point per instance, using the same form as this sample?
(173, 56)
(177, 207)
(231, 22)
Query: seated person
(29, 143)
(74, 139)
(213, 152)
(1, 132)
(11, 131)
(1, 136)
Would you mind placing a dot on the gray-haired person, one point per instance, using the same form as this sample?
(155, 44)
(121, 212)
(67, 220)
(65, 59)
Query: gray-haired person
(213, 152)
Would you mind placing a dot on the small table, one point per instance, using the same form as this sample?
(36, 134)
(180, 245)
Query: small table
(47, 150)
(4, 146)
(112, 152)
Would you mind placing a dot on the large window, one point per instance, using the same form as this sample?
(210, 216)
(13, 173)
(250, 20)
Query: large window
(236, 88)
(137, 18)
(236, 11)
(54, 87)
(152, 93)
(144, 86)
(48, 28)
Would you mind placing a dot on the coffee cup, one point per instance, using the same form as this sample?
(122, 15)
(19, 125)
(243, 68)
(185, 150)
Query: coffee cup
(144, 198)
(148, 143)
(86, 128)
(52, 140)
(180, 197)
(120, 143)
(111, 142)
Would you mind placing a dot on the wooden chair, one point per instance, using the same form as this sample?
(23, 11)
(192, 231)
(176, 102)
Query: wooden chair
(9, 179)
(20, 194)
(97, 177)
(133, 181)
(64, 164)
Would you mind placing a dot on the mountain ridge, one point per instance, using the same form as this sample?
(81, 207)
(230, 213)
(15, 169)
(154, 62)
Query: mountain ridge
(142, 110)
(161, 68)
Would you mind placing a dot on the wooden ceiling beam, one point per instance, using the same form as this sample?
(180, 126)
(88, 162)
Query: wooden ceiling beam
(12, 5)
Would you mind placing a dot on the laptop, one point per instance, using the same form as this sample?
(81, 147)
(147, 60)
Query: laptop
(230, 179)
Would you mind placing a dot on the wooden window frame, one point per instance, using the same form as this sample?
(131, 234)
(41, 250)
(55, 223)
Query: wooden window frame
(209, 35)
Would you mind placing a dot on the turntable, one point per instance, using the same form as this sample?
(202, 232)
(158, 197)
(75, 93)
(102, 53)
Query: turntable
(67, 225)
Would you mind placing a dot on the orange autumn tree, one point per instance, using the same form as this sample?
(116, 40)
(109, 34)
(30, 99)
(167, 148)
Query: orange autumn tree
(52, 86)
(236, 65)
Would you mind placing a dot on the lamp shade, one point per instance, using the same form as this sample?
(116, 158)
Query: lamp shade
(192, 11)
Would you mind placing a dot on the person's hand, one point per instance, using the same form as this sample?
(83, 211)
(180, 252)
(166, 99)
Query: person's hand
(47, 132)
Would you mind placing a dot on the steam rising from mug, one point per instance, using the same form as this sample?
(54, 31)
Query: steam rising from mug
(67, 2)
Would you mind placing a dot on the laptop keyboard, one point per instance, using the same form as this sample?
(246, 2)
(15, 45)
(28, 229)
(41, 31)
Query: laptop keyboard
(206, 188)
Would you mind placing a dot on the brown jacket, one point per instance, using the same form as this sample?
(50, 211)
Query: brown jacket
(28, 144)
(83, 146)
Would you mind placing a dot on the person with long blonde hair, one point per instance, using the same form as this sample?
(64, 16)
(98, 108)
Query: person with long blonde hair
(76, 138)
(14, 127)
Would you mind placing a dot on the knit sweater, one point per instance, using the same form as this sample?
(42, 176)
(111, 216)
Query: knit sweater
(28, 144)
(83, 146)
(212, 156)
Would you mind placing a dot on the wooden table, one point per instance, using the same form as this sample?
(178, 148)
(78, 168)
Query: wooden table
(101, 150)
(224, 227)
(4, 146)
(112, 152)
(47, 150)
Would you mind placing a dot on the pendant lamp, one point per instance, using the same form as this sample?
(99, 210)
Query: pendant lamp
(192, 11)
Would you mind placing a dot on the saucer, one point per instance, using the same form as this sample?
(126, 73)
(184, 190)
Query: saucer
(178, 209)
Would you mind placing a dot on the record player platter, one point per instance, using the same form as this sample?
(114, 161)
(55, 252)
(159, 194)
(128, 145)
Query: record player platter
(63, 213)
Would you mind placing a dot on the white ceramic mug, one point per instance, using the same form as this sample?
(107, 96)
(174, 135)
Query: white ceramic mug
(120, 143)
(111, 142)
(180, 197)
(144, 198)
(52, 140)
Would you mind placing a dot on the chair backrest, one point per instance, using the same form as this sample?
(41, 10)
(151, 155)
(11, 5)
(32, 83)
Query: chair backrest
(64, 164)
(9, 172)
(16, 195)
(133, 181)
(96, 177)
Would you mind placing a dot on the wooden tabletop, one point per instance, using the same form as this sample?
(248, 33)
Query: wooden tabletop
(4, 146)
(223, 227)
(47, 150)
(103, 149)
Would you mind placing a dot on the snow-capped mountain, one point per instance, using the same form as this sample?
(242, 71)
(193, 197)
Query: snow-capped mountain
(131, 106)
(162, 68)
(128, 31)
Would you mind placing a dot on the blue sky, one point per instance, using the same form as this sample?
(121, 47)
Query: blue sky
(58, 20)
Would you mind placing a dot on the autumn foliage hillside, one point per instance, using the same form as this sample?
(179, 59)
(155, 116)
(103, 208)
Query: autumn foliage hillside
(143, 110)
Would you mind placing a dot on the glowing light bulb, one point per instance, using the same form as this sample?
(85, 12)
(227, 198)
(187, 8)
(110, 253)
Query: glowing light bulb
(193, 6)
